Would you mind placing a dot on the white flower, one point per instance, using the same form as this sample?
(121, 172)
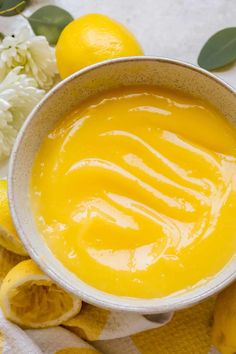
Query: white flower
(18, 95)
(31, 52)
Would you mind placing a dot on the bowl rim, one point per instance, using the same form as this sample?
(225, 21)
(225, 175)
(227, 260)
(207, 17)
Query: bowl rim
(168, 303)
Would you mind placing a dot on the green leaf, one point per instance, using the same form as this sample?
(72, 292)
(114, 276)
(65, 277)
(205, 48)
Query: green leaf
(1, 36)
(12, 7)
(49, 21)
(219, 50)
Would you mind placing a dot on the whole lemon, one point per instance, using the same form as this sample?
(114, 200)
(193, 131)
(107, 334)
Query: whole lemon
(93, 38)
(224, 325)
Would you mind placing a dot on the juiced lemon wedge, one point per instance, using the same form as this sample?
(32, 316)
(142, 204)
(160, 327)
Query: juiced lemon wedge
(8, 236)
(31, 299)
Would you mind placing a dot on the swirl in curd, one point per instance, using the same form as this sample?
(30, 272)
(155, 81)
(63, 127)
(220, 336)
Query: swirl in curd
(135, 192)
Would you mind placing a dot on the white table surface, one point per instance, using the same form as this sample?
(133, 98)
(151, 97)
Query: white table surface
(170, 28)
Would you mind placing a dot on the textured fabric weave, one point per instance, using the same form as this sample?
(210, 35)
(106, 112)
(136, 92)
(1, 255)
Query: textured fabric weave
(188, 332)
(96, 330)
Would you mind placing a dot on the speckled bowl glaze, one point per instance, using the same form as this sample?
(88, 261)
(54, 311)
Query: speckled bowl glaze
(65, 97)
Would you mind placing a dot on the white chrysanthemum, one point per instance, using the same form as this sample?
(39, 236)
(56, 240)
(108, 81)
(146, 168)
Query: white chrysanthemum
(18, 95)
(31, 52)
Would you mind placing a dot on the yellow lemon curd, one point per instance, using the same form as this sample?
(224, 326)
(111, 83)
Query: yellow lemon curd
(135, 192)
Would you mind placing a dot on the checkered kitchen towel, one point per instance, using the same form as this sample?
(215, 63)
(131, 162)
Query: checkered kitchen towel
(96, 330)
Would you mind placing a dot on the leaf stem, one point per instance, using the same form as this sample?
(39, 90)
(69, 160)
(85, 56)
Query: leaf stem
(25, 17)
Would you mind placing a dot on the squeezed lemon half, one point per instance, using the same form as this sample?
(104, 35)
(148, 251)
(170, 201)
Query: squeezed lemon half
(8, 236)
(8, 260)
(31, 299)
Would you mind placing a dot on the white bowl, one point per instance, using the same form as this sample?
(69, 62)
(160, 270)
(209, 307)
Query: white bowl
(65, 97)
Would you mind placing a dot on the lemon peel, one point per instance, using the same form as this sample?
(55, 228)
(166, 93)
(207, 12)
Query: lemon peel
(31, 299)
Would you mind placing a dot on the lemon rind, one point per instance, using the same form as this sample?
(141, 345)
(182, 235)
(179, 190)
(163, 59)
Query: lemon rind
(77, 304)
(11, 243)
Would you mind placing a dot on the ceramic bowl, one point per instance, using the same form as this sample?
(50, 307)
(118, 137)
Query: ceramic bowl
(64, 98)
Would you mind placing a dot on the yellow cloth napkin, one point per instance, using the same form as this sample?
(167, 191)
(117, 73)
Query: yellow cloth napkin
(96, 330)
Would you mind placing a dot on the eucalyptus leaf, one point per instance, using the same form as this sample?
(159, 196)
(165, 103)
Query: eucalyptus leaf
(49, 21)
(219, 50)
(12, 7)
